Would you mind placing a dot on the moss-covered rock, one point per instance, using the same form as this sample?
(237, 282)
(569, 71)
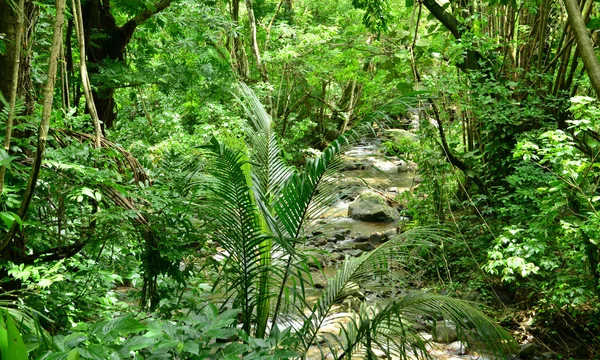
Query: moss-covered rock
(372, 207)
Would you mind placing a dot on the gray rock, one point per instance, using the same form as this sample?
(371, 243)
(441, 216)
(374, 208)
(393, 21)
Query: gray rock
(399, 135)
(319, 285)
(372, 207)
(402, 167)
(361, 238)
(366, 246)
(320, 241)
(376, 238)
(457, 348)
(329, 246)
(388, 234)
(445, 334)
(316, 261)
(527, 350)
(340, 236)
(418, 179)
(355, 252)
(338, 256)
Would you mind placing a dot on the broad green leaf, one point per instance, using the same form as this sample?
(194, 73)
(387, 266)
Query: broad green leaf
(3, 335)
(16, 347)
(73, 354)
(122, 326)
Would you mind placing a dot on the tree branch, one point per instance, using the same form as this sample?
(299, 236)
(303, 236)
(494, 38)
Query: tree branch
(149, 12)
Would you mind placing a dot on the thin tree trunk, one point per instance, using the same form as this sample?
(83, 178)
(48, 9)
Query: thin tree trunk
(44, 123)
(254, 43)
(85, 80)
(148, 117)
(13, 89)
(584, 43)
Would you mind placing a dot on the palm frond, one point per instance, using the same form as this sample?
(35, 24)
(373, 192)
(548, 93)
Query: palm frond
(269, 170)
(237, 226)
(390, 326)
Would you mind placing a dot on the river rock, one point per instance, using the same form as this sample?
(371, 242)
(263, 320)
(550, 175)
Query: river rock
(402, 167)
(366, 246)
(354, 164)
(372, 207)
(456, 348)
(400, 135)
(320, 241)
(376, 238)
(445, 333)
(341, 235)
(338, 256)
(329, 246)
(316, 261)
(361, 238)
(389, 233)
(527, 350)
(355, 252)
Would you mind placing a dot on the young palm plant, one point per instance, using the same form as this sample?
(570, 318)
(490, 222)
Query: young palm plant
(261, 209)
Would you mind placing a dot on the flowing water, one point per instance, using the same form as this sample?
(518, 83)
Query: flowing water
(371, 170)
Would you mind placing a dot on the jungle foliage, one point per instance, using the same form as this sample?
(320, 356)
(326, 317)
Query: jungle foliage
(158, 178)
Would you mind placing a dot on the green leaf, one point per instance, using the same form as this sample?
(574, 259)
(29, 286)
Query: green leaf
(6, 159)
(9, 218)
(3, 336)
(593, 24)
(409, 3)
(73, 354)
(123, 325)
(138, 342)
(16, 347)
(404, 87)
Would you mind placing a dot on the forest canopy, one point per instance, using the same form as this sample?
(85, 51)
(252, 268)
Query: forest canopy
(267, 179)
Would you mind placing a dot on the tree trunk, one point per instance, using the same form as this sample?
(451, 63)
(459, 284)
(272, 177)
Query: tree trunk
(254, 43)
(239, 58)
(8, 26)
(44, 123)
(13, 88)
(105, 40)
(85, 80)
(584, 43)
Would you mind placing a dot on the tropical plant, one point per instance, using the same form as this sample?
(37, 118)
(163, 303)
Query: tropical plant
(262, 208)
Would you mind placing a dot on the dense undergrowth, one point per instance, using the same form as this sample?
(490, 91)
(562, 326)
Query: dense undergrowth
(169, 221)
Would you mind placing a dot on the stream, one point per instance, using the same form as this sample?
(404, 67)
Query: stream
(366, 169)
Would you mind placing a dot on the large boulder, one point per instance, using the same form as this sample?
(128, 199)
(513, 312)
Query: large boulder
(372, 207)
(400, 135)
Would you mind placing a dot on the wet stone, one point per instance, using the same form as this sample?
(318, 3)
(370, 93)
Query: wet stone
(527, 350)
(320, 241)
(456, 348)
(376, 238)
(445, 334)
(361, 238)
(366, 246)
(390, 233)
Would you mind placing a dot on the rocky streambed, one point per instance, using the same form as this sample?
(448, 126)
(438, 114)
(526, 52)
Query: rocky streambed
(366, 216)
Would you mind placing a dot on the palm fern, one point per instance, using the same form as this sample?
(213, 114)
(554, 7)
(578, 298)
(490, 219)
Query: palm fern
(261, 208)
(388, 329)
